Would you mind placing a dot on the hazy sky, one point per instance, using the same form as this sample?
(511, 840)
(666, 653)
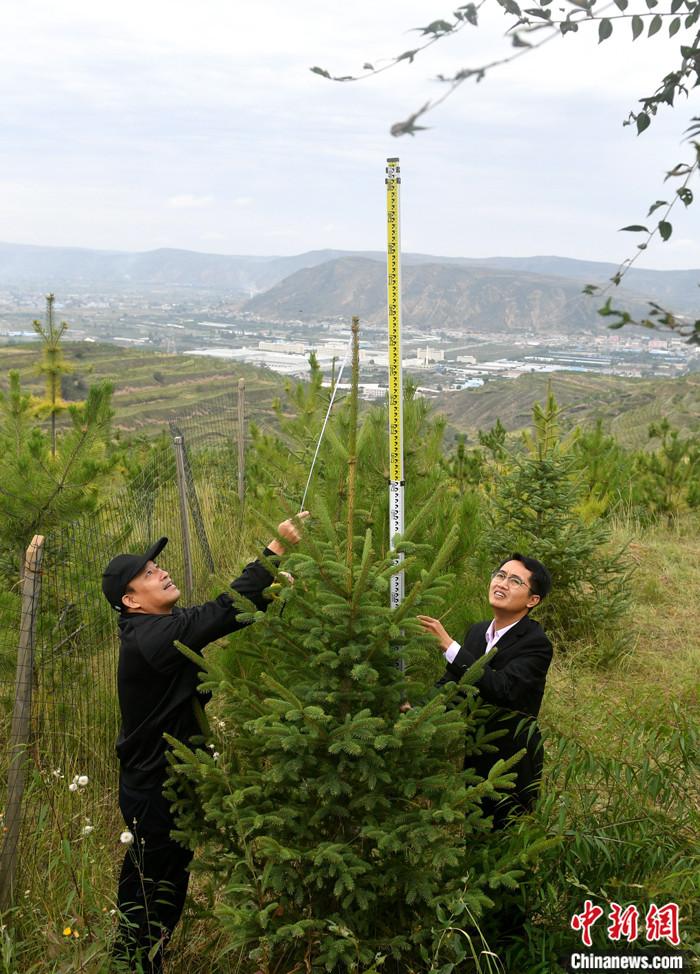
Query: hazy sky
(199, 125)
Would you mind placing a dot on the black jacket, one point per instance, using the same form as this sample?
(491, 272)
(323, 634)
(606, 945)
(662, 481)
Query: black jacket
(513, 682)
(157, 684)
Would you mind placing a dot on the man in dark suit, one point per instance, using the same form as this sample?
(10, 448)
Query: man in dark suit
(513, 679)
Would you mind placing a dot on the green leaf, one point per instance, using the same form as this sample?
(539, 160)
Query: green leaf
(676, 5)
(605, 29)
(665, 229)
(154, 950)
(674, 26)
(637, 27)
(655, 25)
(510, 7)
(635, 228)
(437, 27)
(655, 206)
(680, 170)
(321, 71)
(686, 195)
(643, 122)
(621, 4)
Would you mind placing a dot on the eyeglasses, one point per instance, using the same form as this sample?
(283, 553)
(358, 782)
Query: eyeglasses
(500, 576)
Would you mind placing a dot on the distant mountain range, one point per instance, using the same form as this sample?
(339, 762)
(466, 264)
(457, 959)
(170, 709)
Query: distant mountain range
(538, 293)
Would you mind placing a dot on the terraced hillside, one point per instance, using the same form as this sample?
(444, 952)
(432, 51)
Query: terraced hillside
(152, 388)
(626, 406)
(149, 387)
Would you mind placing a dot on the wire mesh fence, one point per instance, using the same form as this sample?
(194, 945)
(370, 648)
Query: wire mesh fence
(59, 711)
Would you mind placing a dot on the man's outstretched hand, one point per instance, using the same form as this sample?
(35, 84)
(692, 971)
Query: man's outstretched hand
(290, 531)
(436, 628)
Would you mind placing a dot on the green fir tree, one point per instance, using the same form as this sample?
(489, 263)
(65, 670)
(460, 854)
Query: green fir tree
(538, 507)
(53, 367)
(668, 476)
(339, 833)
(606, 468)
(40, 487)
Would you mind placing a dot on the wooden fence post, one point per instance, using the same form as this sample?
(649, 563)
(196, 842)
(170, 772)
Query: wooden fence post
(241, 440)
(21, 718)
(193, 500)
(184, 516)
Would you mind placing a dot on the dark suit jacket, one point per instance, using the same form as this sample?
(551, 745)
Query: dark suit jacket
(513, 682)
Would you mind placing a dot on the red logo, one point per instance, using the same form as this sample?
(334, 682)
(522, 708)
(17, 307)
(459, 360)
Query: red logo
(661, 922)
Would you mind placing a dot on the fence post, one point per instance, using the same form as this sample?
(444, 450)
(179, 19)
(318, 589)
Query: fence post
(21, 718)
(241, 440)
(193, 500)
(184, 518)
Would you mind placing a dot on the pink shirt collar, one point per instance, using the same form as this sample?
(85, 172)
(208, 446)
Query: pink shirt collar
(493, 634)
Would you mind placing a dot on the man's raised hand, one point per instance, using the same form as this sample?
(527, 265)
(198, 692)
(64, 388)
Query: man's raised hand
(290, 530)
(436, 628)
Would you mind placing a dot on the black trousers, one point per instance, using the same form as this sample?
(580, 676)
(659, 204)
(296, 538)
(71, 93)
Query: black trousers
(153, 880)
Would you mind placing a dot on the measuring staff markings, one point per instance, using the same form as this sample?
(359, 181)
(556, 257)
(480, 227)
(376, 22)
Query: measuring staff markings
(396, 474)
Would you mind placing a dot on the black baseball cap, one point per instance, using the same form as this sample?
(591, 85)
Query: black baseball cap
(122, 569)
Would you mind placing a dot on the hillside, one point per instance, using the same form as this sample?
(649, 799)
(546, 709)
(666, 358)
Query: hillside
(626, 406)
(153, 387)
(150, 387)
(436, 296)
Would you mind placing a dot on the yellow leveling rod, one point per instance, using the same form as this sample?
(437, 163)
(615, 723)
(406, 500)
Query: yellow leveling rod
(393, 273)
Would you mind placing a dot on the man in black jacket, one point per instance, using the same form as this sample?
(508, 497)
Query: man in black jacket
(157, 687)
(513, 679)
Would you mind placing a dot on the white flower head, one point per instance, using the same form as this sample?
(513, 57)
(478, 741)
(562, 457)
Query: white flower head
(73, 786)
(82, 780)
(216, 755)
(87, 829)
(126, 838)
(57, 773)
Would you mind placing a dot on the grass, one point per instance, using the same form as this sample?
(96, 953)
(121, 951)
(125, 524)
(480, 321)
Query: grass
(632, 745)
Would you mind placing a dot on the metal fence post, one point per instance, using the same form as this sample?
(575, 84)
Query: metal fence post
(241, 440)
(184, 517)
(21, 718)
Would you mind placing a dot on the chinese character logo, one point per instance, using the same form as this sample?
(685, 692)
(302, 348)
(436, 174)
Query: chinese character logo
(623, 923)
(661, 922)
(584, 921)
